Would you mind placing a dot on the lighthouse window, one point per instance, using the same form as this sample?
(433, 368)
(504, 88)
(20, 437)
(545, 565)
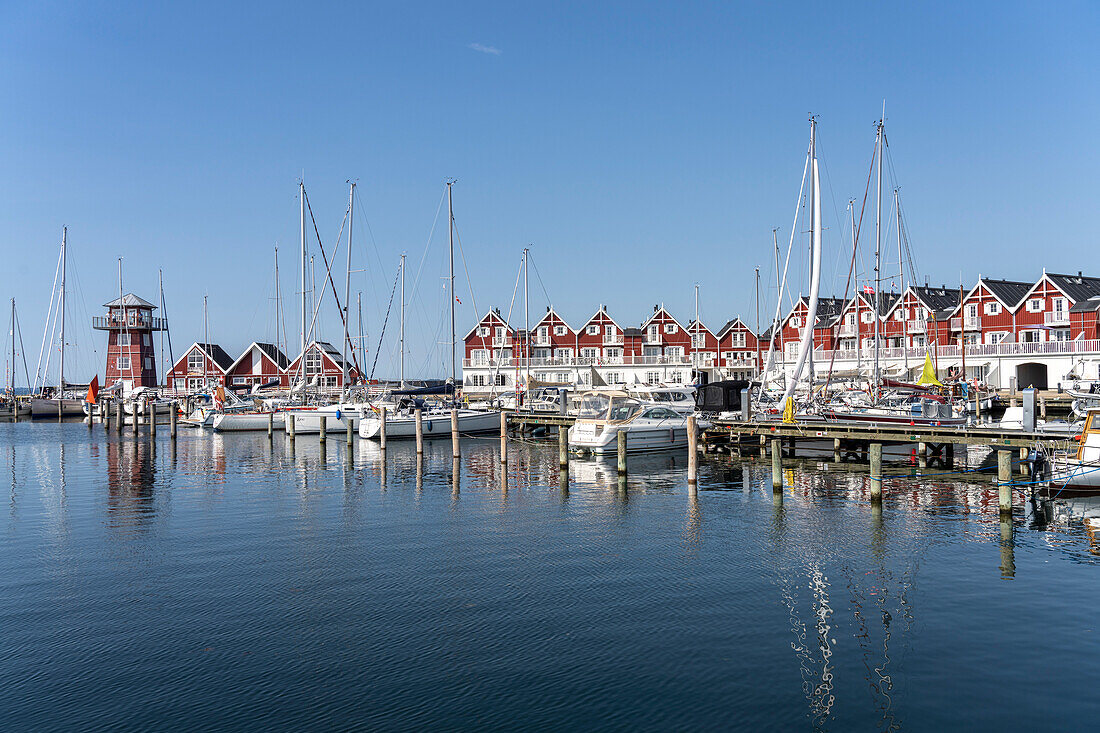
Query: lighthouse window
(148, 363)
(124, 339)
(123, 363)
(145, 339)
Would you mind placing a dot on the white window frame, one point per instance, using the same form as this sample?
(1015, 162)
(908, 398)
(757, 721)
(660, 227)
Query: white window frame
(670, 328)
(561, 331)
(123, 363)
(1035, 305)
(593, 330)
(124, 339)
(992, 308)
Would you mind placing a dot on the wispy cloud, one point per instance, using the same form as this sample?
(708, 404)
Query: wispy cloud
(491, 50)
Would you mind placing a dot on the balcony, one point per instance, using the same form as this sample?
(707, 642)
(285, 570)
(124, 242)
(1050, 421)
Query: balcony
(972, 323)
(651, 338)
(613, 339)
(1056, 318)
(848, 329)
(112, 323)
(915, 326)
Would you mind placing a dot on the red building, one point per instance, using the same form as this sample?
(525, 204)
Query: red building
(323, 367)
(130, 355)
(260, 363)
(739, 349)
(490, 341)
(552, 338)
(603, 335)
(202, 366)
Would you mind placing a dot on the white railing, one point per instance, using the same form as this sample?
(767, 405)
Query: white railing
(651, 338)
(613, 340)
(915, 326)
(1056, 318)
(848, 329)
(972, 323)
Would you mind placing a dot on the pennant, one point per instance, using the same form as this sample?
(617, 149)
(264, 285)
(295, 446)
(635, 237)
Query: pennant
(93, 391)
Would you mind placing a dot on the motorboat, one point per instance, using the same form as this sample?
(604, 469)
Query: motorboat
(648, 426)
(1079, 470)
(678, 398)
(435, 422)
(1013, 419)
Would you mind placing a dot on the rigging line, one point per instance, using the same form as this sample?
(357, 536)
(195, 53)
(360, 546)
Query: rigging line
(469, 284)
(500, 350)
(46, 328)
(839, 320)
(428, 244)
(22, 351)
(541, 284)
(328, 272)
(382, 334)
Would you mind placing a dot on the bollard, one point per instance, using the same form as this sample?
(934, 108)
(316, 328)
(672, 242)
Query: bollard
(454, 432)
(135, 422)
(1004, 480)
(153, 420)
(291, 420)
(173, 408)
(693, 451)
(104, 414)
(350, 430)
(503, 437)
(323, 428)
(563, 448)
(777, 465)
(382, 428)
(118, 417)
(270, 425)
(876, 471)
(621, 448)
(419, 431)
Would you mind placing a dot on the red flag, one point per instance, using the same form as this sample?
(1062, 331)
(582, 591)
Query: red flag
(458, 299)
(868, 290)
(93, 391)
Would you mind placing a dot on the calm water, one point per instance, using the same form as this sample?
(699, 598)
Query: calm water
(233, 583)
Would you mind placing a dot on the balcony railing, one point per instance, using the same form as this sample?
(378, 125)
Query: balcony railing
(112, 323)
(972, 323)
(613, 339)
(848, 329)
(1056, 318)
(915, 326)
(651, 338)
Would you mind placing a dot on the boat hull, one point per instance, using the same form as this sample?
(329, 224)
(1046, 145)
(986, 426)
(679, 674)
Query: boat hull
(887, 419)
(233, 422)
(638, 440)
(48, 407)
(435, 424)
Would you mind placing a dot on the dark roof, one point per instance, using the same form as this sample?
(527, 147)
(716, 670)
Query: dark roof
(274, 354)
(217, 353)
(1084, 306)
(1009, 292)
(886, 301)
(1077, 287)
(828, 310)
(938, 299)
(130, 300)
(631, 331)
(721, 333)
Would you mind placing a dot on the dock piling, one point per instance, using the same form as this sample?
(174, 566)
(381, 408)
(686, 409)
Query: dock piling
(563, 448)
(503, 437)
(349, 430)
(1004, 480)
(454, 433)
(382, 428)
(876, 471)
(836, 450)
(323, 428)
(777, 465)
(693, 451)
(173, 409)
(620, 446)
(137, 405)
(153, 420)
(291, 422)
(118, 416)
(419, 431)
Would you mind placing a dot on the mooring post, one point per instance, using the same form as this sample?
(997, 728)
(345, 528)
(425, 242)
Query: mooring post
(291, 422)
(173, 409)
(836, 450)
(1043, 407)
(137, 407)
(118, 416)
(271, 425)
(876, 471)
(563, 448)
(153, 420)
(60, 399)
(454, 433)
(922, 454)
(503, 436)
(1004, 480)
(419, 431)
(693, 451)
(977, 407)
(349, 431)
(620, 446)
(777, 464)
(1008, 554)
(382, 428)
(323, 428)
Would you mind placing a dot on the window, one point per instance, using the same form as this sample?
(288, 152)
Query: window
(590, 353)
(676, 377)
(313, 361)
(499, 333)
(238, 381)
(123, 363)
(737, 339)
(124, 339)
(181, 384)
(609, 330)
(560, 330)
(670, 328)
(972, 311)
(995, 337)
(145, 339)
(195, 361)
(498, 379)
(483, 331)
(866, 317)
(614, 378)
(148, 363)
(899, 315)
(675, 352)
(652, 377)
(653, 331)
(479, 357)
(1034, 305)
(971, 338)
(593, 330)
(563, 353)
(796, 322)
(992, 308)
(613, 352)
(541, 334)
(696, 340)
(1060, 334)
(563, 377)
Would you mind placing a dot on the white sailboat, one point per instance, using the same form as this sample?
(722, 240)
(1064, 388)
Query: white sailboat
(60, 403)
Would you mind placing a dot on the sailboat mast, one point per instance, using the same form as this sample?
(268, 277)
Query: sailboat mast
(901, 289)
(852, 218)
(278, 298)
(205, 345)
(347, 288)
(359, 307)
(13, 354)
(401, 361)
(757, 318)
(451, 266)
(695, 334)
(526, 326)
(304, 264)
(61, 369)
(878, 251)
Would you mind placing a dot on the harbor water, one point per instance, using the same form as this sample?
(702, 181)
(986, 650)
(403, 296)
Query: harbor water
(229, 582)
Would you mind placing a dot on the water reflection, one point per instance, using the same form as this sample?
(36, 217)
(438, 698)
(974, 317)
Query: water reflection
(131, 482)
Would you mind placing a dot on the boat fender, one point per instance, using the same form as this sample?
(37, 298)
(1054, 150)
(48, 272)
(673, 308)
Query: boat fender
(337, 414)
(429, 426)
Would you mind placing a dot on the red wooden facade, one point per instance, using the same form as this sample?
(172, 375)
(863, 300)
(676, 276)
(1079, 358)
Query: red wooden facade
(260, 363)
(130, 326)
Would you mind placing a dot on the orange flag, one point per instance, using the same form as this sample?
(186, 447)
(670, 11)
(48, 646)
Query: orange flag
(93, 390)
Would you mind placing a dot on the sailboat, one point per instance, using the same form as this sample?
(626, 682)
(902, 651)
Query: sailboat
(403, 424)
(59, 402)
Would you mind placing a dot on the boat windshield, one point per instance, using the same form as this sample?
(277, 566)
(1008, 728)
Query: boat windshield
(593, 406)
(622, 408)
(598, 406)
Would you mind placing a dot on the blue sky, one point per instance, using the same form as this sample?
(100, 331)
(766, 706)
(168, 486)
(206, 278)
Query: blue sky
(639, 148)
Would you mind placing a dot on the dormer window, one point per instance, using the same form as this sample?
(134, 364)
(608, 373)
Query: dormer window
(483, 331)
(560, 331)
(992, 308)
(670, 328)
(1035, 305)
(796, 322)
(593, 330)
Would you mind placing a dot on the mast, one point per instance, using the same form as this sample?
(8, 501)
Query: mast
(359, 306)
(205, 345)
(451, 270)
(61, 369)
(304, 264)
(806, 345)
(401, 361)
(13, 355)
(962, 329)
(347, 288)
(278, 298)
(757, 319)
(695, 335)
(901, 289)
(527, 327)
(852, 217)
(879, 143)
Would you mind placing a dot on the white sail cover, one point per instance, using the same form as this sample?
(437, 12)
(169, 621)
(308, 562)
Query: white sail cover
(807, 343)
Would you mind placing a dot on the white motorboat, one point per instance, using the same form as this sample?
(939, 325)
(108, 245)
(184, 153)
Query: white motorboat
(648, 426)
(677, 398)
(1013, 419)
(1079, 471)
(435, 423)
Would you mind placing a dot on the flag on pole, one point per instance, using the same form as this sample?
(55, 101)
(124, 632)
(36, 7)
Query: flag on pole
(868, 290)
(459, 300)
(93, 390)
